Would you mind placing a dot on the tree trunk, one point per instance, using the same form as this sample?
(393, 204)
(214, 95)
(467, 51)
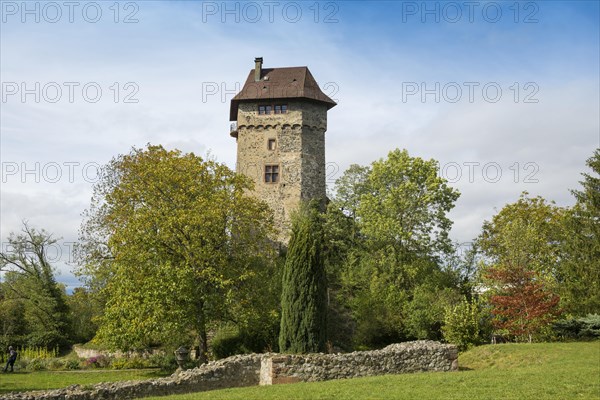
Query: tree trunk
(202, 339)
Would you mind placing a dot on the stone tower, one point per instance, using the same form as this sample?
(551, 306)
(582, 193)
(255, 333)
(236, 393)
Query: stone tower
(280, 122)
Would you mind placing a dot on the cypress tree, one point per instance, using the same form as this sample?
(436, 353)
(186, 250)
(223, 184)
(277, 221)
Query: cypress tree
(304, 292)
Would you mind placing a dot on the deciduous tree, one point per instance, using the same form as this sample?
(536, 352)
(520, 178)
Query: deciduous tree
(396, 239)
(521, 245)
(522, 304)
(173, 241)
(30, 285)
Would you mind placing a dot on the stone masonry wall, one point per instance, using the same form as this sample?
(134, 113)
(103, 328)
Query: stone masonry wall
(268, 369)
(299, 152)
(236, 371)
(394, 359)
(82, 352)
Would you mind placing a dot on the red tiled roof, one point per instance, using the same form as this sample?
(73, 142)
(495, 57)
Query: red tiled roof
(280, 83)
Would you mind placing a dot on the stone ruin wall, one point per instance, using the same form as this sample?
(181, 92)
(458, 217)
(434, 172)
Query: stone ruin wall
(269, 369)
(395, 359)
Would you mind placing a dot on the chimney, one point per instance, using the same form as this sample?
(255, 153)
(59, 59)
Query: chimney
(257, 68)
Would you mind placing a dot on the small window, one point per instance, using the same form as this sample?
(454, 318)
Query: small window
(272, 173)
(280, 109)
(271, 144)
(272, 109)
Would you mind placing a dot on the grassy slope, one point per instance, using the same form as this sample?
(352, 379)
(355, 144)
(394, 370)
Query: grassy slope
(508, 371)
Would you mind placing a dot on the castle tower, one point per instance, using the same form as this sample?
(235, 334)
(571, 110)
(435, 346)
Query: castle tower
(280, 122)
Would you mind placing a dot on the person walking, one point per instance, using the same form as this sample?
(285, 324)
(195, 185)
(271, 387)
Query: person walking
(12, 357)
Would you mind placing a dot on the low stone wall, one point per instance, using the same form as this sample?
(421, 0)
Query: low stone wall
(394, 359)
(82, 352)
(236, 371)
(268, 369)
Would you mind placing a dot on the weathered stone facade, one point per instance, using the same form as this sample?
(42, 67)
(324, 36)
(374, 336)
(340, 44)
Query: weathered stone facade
(268, 369)
(298, 151)
(395, 359)
(292, 140)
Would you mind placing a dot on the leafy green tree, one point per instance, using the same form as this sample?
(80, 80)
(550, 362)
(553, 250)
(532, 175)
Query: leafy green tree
(396, 238)
(404, 208)
(12, 320)
(521, 246)
(172, 242)
(304, 291)
(525, 234)
(426, 309)
(580, 263)
(29, 284)
(350, 187)
(85, 309)
(462, 268)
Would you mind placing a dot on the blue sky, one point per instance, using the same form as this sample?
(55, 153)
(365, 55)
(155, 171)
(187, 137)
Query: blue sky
(181, 62)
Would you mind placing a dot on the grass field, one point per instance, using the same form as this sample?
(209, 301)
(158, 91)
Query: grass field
(508, 371)
(44, 380)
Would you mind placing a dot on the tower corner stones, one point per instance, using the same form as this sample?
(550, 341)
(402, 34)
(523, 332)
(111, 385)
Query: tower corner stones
(279, 122)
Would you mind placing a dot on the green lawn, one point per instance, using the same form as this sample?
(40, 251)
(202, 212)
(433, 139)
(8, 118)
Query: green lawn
(507, 371)
(44, 380)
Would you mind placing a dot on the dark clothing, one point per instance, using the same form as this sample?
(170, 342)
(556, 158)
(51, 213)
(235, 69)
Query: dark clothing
(12, 357)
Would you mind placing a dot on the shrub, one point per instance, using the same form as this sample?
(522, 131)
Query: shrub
(72, 364)
(20, 364)
(463, 324)
(119, 363)
(591, 326)
(227, 341)
(131, 363)
(100, 361)
(57, 364)
(578, 328)
(37, 364)
(166, 362)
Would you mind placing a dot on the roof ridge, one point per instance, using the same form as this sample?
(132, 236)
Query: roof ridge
(282, 83)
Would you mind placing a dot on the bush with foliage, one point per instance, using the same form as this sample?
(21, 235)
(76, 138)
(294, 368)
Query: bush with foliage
(48, 364)
(426, 311)
(131, 363)
(37, 364)
(62, 364)
(578, 328)
(100, 361)
(463, 324)
(167, 362)
(230, 339)
(227, 342)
